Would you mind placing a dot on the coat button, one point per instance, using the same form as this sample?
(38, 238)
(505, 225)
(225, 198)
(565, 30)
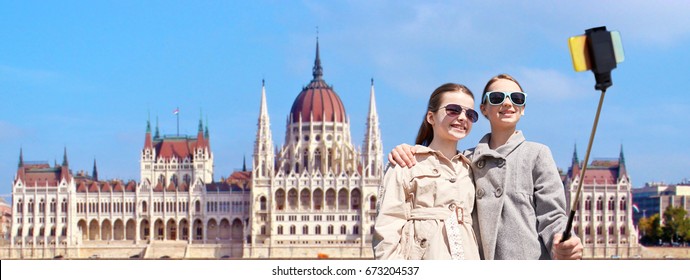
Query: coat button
(480, 164)
(435, 171)
(498, 192)
(480, 193)
(423, 243)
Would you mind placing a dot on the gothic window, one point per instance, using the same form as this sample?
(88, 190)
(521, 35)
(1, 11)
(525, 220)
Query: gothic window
(600, 204)
(173, 179)
(330, 229)
(161, 179)
(612, 203)
(53, 206)
(372, 203)
(262, 203)
(293, 230)
(64, 205)
(280, 229)
(318, 199)
(343, 229)
(330, 199)
(355, 199)
(588, 204)
(599, 230)
(187, 179)
(611, 230)
(305, 229)
(144, 207)
(343, 199)
(623, 203)
(317, 229)
(355, 229)
(304, 198)
(297, 167)
(280, 199)
(31, 206)
(588, 231)
(292, 198)
(20, 206)
(42, 206)
(622, 230)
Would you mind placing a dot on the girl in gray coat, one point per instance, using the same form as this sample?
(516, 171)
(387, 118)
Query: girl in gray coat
(520, 199)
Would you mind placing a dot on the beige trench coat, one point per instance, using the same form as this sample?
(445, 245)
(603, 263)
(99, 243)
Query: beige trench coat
(417, 205)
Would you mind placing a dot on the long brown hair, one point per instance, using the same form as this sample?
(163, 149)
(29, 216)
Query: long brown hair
(426, 131)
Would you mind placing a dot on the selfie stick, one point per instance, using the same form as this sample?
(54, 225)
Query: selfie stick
(602, 51)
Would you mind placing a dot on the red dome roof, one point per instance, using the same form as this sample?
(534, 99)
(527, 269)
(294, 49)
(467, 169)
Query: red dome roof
(318, 102)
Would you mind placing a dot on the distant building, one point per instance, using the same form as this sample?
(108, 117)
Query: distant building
(604, 210)
(654, 198)
(5, 221)
(314, 197)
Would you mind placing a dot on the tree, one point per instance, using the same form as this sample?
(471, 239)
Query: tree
(650, 228)
(676, 225)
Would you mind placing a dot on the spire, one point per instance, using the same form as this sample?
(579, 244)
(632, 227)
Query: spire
(147, 138)
(244, 163)
(206, 129)
(621, 164)
(157, 135)
(263, 145)
(94, 174)
(372, 148)
(201, 123)
(317, 70)
(64, 158)
(21, 157)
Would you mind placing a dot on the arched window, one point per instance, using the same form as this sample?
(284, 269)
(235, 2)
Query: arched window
(280, 229)
(197, 206)
(173, 179)
(372, 203)
(262, 203)
(611, 204)
(330, 229)
(53, 206)
(355, 229)
(292, 198)
(622, 230)
(600, 204)
(610, 230)
(305, 229)
(280, 199)
(588, 230)
(355, 198)
(20, 206)
(144, 207)
(588, 204)
(64, 205)
(42, 207)
(186, 179)
(317, 229)
(293, 230)
(161, 179)
(623, 204)
(343, 229)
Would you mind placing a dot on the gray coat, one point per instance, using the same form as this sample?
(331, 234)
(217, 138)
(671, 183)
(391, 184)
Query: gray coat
(520, 199)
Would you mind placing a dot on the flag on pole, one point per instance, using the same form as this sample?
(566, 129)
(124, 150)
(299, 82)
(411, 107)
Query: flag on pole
(636, 208)
(177, 111)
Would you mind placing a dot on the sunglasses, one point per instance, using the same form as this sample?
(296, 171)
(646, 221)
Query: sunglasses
(498, 97)
(454, 110)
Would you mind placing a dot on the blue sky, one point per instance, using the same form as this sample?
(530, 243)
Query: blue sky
(87, 75)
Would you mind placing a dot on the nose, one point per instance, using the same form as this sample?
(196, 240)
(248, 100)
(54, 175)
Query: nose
(507, 102)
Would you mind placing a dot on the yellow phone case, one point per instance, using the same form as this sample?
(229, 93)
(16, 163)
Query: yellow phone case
(579, 53)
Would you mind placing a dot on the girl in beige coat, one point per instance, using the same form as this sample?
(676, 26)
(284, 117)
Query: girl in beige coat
(425, 212)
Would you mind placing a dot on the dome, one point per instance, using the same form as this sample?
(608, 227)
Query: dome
(317, 102)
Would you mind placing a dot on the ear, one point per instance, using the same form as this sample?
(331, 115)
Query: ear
(523, 110)
(482, 108)
(430, 117)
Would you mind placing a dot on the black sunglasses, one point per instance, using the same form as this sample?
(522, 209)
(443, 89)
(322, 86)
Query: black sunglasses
(498, 97)
(454, 110)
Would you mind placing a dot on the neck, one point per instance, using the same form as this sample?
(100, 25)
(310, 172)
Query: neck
(447, 148)
(500, 136)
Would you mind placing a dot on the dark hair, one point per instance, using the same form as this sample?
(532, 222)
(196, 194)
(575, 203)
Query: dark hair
(496, 78)
(426, 131)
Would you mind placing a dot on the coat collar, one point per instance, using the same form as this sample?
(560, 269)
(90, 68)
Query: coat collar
(483, 149)
(420, 149)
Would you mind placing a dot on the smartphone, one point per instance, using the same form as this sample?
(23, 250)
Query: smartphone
(580, 55)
